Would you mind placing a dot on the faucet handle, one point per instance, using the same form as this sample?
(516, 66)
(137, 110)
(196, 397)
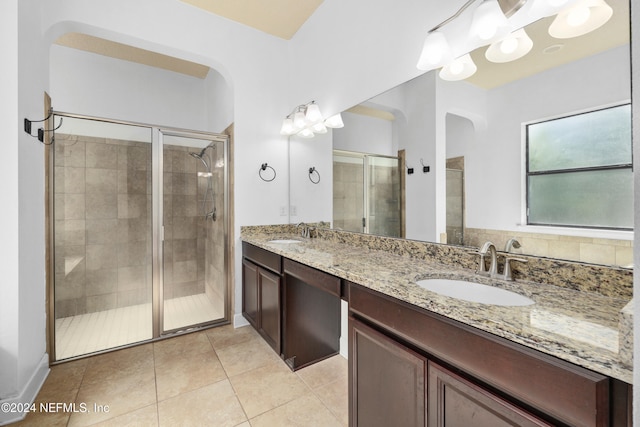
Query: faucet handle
(507, 266)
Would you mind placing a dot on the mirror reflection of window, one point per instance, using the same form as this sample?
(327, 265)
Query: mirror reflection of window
(579, 170)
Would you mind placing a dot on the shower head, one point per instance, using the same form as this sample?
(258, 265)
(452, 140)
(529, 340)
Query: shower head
(200, 156)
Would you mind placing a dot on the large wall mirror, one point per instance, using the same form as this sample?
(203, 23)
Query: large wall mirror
(472, 135)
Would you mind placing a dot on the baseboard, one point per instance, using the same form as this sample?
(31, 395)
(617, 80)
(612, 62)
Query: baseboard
(239, 321)
(27, 395)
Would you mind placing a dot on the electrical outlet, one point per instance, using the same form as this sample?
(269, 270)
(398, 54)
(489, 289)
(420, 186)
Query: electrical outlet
(294, 210)
(283, 211)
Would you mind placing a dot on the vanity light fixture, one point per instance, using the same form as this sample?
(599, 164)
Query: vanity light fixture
(581, 18)
(514, 46)
(493, 22)
(306, 121)
(460, 69)
(489, 22)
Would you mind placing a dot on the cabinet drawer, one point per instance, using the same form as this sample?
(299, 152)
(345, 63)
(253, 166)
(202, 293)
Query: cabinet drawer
(313, 277)
(262, 257)
(564, 391)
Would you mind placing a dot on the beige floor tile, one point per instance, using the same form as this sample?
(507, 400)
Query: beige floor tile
(196, 342)
(324, 372)
(246, 356)
(212, 405)
(187, 372)
(117, 365)
(38, 419)
(244, 424)
(306, 411)
(268, 387)
(335, 396)
(144, 417)
(121, 394)
(227, 335)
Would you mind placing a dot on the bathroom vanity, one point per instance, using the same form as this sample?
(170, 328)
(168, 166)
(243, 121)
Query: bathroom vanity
(294, 307)
(419, 358)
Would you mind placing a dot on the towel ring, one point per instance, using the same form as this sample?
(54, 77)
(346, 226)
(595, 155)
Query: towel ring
(313, 170)
(263, 168)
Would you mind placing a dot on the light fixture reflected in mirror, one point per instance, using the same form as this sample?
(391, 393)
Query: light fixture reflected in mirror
(460, 69)
(491, 22)
(436, 52)
(514, 46)
(581, 18)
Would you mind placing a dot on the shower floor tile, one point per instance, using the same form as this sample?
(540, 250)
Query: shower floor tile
(91, 332)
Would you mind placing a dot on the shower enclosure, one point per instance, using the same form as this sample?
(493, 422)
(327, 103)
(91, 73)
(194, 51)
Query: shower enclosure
(139, 233)
(366, 193)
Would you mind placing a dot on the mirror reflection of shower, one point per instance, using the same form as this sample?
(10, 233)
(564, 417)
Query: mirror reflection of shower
(206, 161)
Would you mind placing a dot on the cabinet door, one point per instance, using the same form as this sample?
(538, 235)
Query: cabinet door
(269, 326)
(250, 292)
(386, 381)
(456, 402)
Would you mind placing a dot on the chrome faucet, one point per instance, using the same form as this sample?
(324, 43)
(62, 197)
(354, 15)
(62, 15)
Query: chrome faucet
(511, 243)
(489, 248)
(306, 230)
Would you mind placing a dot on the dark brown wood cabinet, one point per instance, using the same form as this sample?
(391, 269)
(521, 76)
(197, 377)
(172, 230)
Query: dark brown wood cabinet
(262, 294)
(294, 307)
(456, 402)
(474, 378)
(387, 380)
(311, 315)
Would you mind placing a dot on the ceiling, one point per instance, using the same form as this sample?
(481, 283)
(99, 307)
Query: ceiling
(283, 18)
(280, 18)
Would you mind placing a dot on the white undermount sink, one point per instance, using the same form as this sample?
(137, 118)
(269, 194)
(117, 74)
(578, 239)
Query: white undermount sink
(284, 241)
(474, 292)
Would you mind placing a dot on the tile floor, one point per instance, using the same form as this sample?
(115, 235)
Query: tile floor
(218, 377)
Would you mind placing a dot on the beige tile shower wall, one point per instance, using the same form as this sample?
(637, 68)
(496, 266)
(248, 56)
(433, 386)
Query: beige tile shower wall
(102, 214)
(185, 234)
(590, 250)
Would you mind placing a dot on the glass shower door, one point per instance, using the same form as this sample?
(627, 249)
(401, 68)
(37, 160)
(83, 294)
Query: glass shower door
(194, 286)
(366, 193)
(383, 196)
(103, 239)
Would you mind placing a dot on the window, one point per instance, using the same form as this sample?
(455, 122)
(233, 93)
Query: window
(579, 170)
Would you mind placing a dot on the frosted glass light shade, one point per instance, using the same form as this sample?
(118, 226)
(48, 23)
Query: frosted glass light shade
(305, 133)
(435, 52)
(299, 120)
(581, 18)
(287, 127)
(319, 128)
(313, 114)
(460, 69)
(334, 121)
(489, 22)
(514, 46)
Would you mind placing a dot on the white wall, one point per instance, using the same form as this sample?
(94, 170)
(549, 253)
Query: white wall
(23, 360)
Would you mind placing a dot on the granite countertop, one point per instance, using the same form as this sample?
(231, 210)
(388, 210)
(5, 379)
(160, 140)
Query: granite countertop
(576, 326)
